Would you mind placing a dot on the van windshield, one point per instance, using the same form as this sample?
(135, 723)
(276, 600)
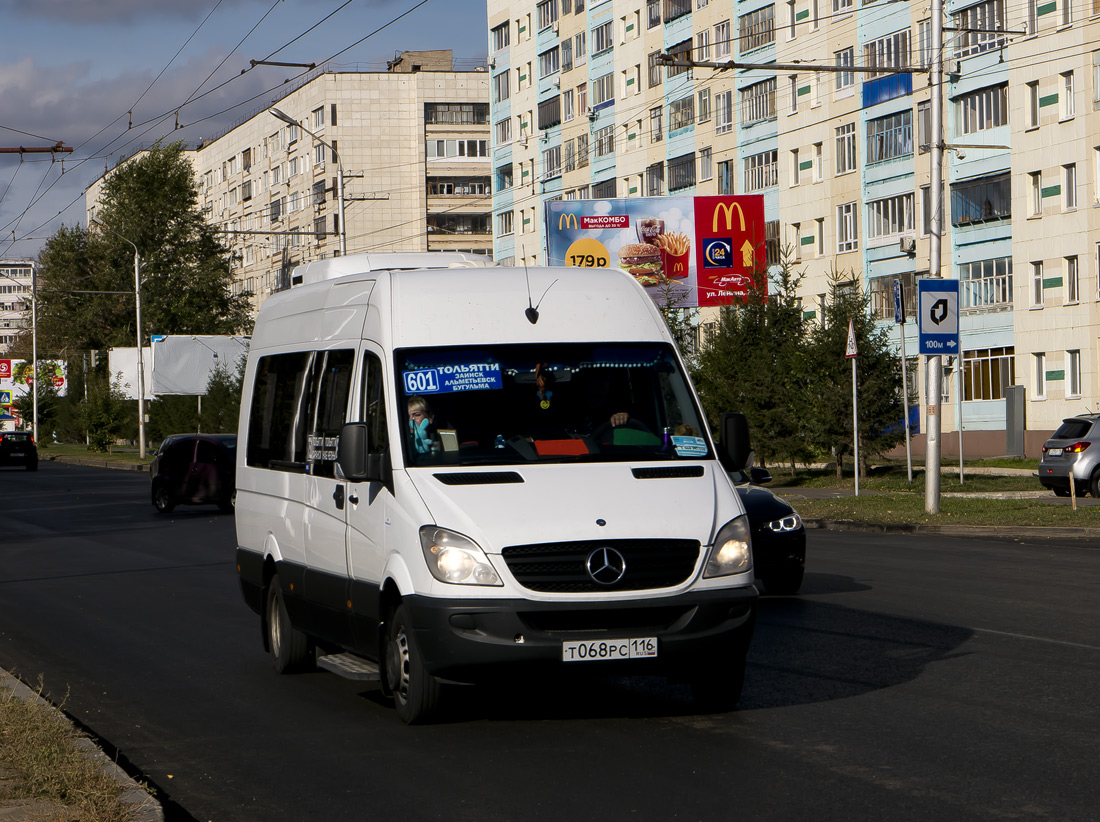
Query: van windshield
(508, 404)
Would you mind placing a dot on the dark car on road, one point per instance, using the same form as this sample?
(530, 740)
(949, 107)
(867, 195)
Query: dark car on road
(194, 469)
(1073, 453)
(18, 448)
(778, 535)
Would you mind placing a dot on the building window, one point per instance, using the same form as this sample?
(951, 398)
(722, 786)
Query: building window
(681, 172)
(605, 141)
(1067, 12)
(1069, 186)
(604, 190)
(653, 13)
(603, 89)
(1037, 284)
(675, 9)
(890, 137)
(725, 182)
(501, 36)
(847, 231)
(1073, 293)
(845, 80)
(1033, 104)
(654, 69)
(505, 223)
(318, 118)
(985, 284)
(890, 52)
(550, 112)
(504, 177)
(761, 171)
(819, 163)
(681, 52)
(795, 170)
(845, 148)
(603, 39)
(1073, 373)
(980, 28)
(551, 162)
(723, 112)
(1039, 361)
(547, 13)
(987, 372)
(704, 106)
(706, 164)
(1035, 181)
(723, 41)
(567, 111)
(655, 179)
(758, 102)
(756, 29)
(582, 150)
(1068, 106)
(841, 6)
(549, 62)
(501, 87)
(982, 109)
(702, 45)
(981, 199)
(681, 113)
(889, 217)
(656, 127)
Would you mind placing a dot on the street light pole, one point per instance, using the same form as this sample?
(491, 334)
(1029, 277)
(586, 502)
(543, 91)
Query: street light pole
(286, 118)
(140, 357)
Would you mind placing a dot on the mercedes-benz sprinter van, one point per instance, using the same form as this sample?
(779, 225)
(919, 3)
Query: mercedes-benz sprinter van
(459, 474)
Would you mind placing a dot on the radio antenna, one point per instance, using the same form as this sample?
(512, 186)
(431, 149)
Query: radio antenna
(532, 311)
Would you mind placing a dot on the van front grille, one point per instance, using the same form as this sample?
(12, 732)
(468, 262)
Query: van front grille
(583, 567)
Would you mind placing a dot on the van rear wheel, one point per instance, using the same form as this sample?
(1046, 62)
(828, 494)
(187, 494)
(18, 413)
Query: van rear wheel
(291, 650)
(415, 691)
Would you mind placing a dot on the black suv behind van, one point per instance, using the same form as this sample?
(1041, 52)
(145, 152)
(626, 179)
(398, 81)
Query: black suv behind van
(18, 448)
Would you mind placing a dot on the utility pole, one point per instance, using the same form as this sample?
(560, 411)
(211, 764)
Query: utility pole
(934, 363)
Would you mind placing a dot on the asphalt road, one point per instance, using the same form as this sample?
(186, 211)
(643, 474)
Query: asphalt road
(914, 678)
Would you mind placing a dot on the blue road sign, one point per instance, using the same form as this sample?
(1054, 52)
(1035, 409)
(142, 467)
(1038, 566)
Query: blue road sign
(899, 303)
(938, 316)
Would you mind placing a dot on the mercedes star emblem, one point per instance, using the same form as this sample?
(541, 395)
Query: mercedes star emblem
(606, 566)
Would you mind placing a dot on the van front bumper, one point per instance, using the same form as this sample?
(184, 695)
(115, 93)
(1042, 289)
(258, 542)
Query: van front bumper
(469, 640)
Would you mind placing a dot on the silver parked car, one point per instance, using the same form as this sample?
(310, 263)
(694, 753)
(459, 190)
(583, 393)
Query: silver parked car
(1073, 451)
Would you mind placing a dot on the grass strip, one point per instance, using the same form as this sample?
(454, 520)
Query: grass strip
(42, 758)
(909, 509)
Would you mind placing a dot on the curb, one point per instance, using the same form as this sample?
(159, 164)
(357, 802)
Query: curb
(951, 530)
(143, 806)
(91, 462)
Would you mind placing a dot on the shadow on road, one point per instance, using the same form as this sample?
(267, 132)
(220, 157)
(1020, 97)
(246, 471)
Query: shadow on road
(803, 652)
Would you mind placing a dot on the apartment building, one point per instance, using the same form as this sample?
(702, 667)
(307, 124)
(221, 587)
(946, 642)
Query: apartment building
(582, 108)
(413, 146)
(16, 282)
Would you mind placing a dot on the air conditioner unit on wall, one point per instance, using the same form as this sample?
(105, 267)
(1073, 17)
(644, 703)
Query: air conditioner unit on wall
(907, 245)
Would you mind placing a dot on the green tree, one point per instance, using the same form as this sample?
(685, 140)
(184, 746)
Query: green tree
(151, 201)
(755, 362)
(680, 318)
(105, 414)
(221, 407)
(878, 377)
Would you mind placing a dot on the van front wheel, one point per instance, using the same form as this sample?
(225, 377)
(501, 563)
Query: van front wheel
(415, 691)
(291, 650)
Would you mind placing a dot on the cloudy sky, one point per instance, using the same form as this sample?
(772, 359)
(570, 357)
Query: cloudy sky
(107, 77)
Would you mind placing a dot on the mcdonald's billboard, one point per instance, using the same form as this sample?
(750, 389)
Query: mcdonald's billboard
(703, 250)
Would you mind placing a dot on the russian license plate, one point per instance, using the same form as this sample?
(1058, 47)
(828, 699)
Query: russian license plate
(17, 453)
(609, 649)
(1054, 452)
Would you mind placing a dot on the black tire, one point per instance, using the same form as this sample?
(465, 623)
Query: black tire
(785, 582)
(162, 500)
(415, 692)
(717, 687)
(290, 649)
(1094, 485)
(1061, 492)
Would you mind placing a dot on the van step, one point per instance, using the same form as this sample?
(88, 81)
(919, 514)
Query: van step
(350, 666)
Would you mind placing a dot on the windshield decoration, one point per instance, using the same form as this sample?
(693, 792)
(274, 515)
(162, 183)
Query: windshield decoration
(689, 446)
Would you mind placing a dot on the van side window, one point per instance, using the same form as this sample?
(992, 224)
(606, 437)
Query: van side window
(299, 401)
(327, 404)
(374, 404)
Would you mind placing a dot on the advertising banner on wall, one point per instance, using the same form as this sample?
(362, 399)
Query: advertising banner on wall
(699, 250)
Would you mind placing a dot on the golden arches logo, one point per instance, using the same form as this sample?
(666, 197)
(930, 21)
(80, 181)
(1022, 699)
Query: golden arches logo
(727, 209)
(570, 221)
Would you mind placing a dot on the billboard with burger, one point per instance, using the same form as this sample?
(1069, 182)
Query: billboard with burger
(697, 250)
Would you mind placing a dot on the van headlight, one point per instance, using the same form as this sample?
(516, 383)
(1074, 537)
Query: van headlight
(456, 559)
(732, 549)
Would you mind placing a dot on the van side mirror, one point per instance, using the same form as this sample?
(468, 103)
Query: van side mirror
(357, 463)
(734, 447)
